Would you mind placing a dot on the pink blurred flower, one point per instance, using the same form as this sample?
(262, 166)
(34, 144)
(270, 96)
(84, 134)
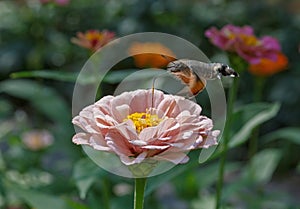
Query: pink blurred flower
(93, 39)
(243, 41)
(128, 126)
(37, 139)
(62, 2)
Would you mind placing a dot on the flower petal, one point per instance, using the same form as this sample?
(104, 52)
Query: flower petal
(93, 140)
(176, 158)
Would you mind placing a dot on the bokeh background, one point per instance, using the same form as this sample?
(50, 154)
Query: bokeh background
(40, 167)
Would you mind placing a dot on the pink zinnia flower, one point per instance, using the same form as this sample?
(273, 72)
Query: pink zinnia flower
(136, 128)
(93, 39)
(243, 41)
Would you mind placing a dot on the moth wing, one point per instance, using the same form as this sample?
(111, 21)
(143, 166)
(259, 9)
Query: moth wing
(197, 85)
(184, 75)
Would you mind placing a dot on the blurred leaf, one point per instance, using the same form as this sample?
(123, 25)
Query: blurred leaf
(76, 205)
(48, 74)
(6, 127)
(298, 168)
(120, 202)
(263, 165)
(290, 133)
(154, 182)
(5, 108)
(245, 119)
(208, 175)
(43, 98)
(251, 116)
(205, 202)
(85, 173)
(2, 163)
(114, 77)
(37, 199)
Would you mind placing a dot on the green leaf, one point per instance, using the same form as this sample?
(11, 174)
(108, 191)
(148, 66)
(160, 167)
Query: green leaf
(48, 74)
(263, 165)
(248, 117)
(85, 173)
(2, 163)
(114, 77)
(298, 168)
(39, 200)
(205, 202)
(156, 181)
(43, 98)
(208, 175)
(290, 133)
(76, 205)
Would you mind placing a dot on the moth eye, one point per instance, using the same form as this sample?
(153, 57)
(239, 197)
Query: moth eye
(224, 67)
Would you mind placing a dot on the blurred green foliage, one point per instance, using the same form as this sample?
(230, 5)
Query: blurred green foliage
(38, 68)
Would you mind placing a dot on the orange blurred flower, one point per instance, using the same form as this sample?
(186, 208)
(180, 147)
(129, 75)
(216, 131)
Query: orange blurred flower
(93, 39)
(37, 139)
(268, 67)
(149, 54)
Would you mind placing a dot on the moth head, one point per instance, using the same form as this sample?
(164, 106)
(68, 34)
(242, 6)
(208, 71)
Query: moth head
(225, 70)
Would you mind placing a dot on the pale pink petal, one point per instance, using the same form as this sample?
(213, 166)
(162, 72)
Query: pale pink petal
(168, 127)
(156, 147)
(123, 111)
(85, 124)
(169, 106)
(118, 139)
(95, 141)
(130, 161)
(120, 106)
(148, 134)
(210, 140)
(187, 105)
(138, 142)
(176, 158)
(141, 101)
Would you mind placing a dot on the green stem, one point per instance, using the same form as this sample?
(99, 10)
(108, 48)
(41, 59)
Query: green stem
(258, 89)
(139, 190)
(106, 194)
(257, 97)
(231, 99)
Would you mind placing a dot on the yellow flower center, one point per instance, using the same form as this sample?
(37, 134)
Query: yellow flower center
(143, 120)
(93, 36)
(249, 40)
